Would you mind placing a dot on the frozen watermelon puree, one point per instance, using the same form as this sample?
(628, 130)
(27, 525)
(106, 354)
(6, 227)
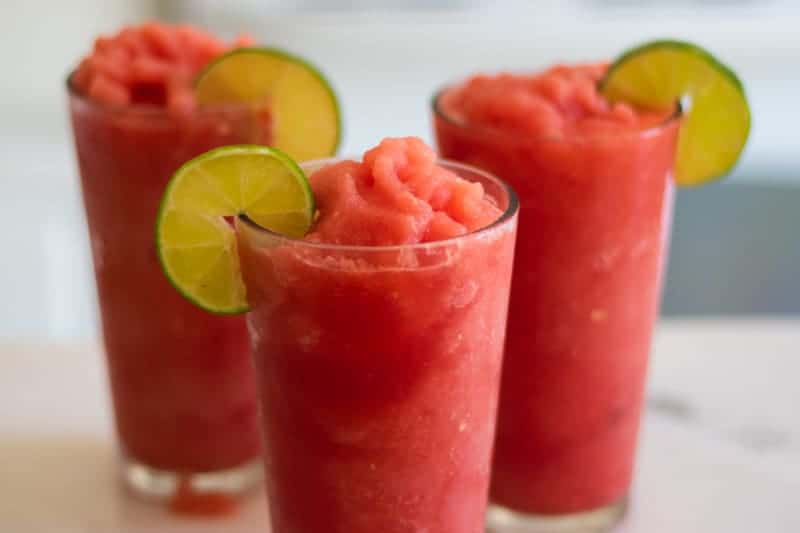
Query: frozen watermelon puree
(181, 379)
(378, 367)
(594, 184)
(562, 101)
(397, 195)
(151, 64)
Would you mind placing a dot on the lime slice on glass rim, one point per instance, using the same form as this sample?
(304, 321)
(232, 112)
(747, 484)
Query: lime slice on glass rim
(196, 243)
(716, 121)
(302, 104)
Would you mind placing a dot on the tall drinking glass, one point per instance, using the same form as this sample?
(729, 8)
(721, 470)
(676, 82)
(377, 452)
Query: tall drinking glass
(181, 379)
(378, 371)
(594, 221)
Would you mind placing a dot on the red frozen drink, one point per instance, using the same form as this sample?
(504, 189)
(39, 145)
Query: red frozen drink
(594, 181)
(378, 341)
(181, 379)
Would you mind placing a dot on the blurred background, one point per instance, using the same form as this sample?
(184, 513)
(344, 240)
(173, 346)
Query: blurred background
(736, 244)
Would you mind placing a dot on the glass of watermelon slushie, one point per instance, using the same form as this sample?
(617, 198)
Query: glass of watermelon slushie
(181, 379)
(377, 341)
(595, 188)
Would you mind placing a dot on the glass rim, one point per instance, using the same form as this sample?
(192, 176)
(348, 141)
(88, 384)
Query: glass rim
(509, 214)
(653, 130)
(145, 109)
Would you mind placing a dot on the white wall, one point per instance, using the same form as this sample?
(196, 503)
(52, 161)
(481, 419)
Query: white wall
(42, 40)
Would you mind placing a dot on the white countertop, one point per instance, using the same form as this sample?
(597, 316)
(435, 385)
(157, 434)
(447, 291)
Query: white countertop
(720, 449)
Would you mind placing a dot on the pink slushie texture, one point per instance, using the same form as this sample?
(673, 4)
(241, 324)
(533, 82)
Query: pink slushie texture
(379, 363)
(181, 378)
(594, 181)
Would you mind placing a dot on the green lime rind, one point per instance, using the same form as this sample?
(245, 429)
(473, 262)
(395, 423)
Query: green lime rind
(716, 126)
(196, 246)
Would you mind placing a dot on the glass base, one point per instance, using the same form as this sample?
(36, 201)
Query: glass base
(162, 485)
(502, 520)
